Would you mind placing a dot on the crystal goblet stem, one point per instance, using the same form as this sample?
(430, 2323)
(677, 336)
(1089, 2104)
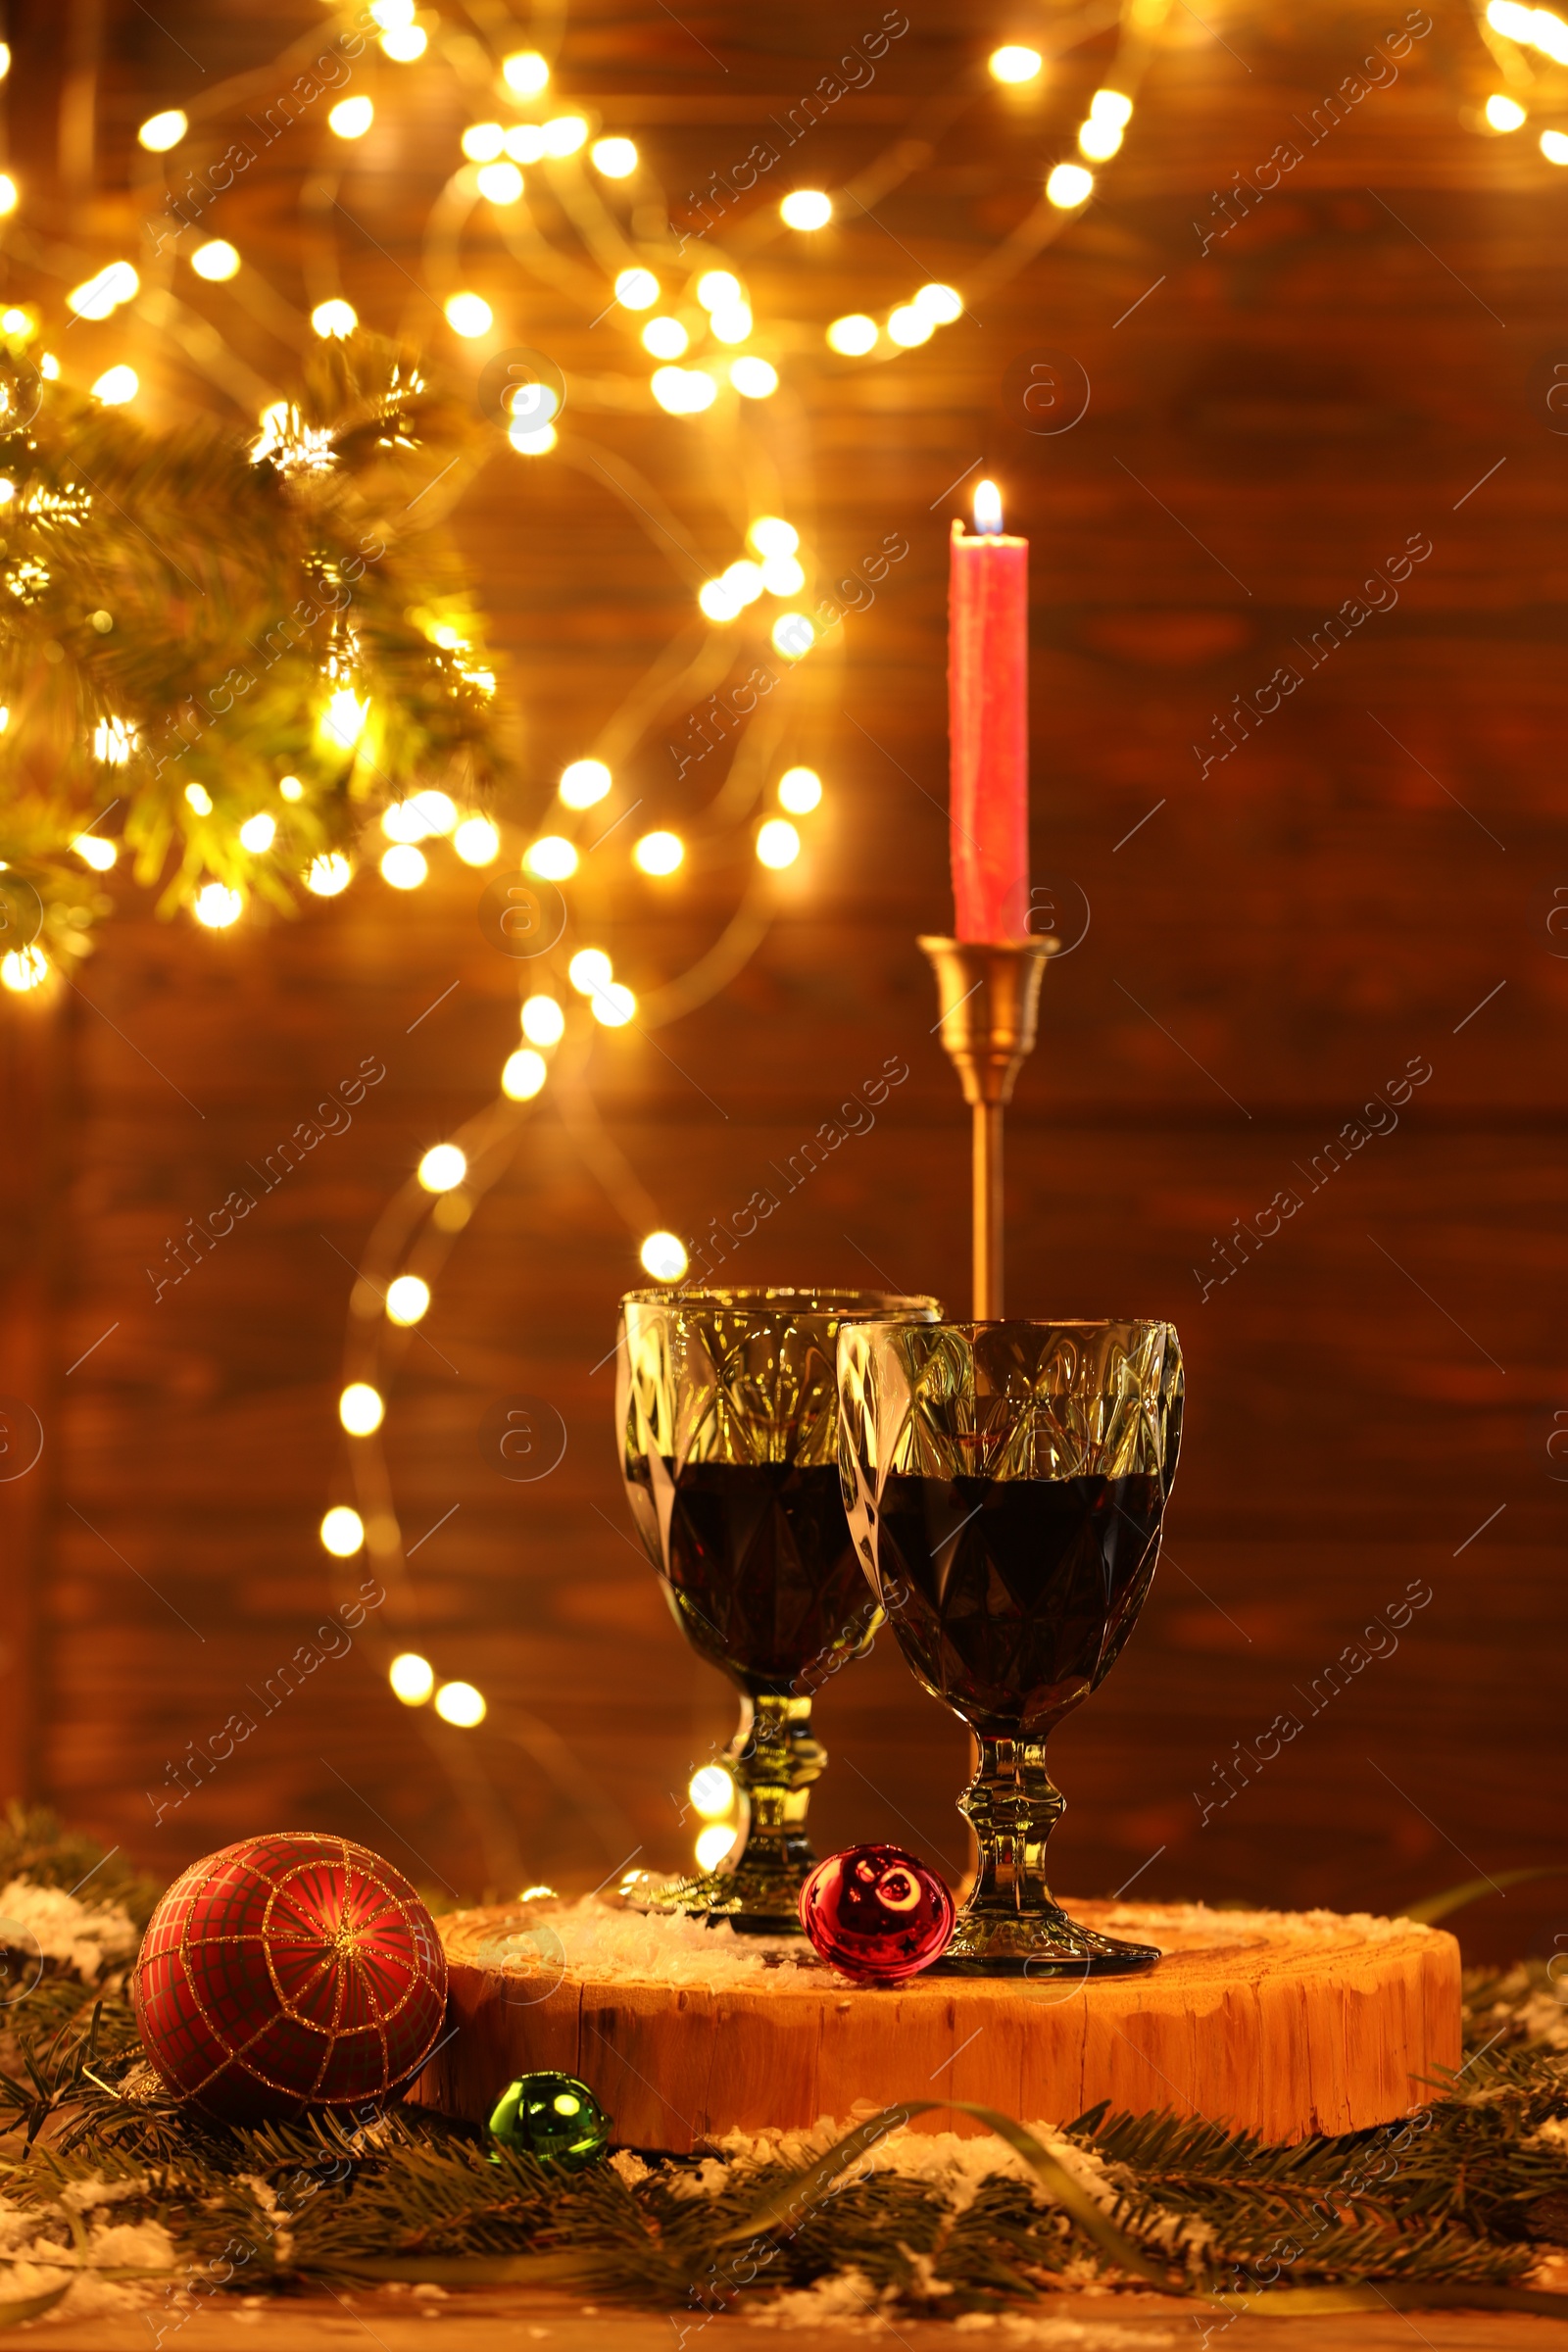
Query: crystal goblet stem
(774, 1759)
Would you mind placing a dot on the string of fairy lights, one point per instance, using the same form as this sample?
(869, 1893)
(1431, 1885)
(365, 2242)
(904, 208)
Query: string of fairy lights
(702, 353)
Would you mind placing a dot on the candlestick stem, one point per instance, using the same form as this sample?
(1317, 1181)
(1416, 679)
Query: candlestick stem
(990, 998)
(987, 1180)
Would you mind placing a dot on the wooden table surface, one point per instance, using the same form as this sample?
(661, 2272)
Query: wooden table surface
(486, 2319)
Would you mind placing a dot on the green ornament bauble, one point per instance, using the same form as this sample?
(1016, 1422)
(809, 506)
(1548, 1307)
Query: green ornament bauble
(553, 2118)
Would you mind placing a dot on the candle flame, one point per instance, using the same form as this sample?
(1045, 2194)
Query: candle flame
(987, 507)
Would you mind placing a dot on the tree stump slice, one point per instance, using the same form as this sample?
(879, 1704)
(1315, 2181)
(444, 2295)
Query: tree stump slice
(1284, 2024)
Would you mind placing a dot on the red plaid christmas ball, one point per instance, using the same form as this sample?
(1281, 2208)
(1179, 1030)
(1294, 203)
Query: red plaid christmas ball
(289, 1971)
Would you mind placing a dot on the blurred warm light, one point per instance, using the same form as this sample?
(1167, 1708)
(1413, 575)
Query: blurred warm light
(1099, 140)
(115, 386)
(291, 788)
(437, 811)
(20, 323)
(8, 204)
(477, 841)
(942, 304)
(500, 184)
(407, 1299)
(401, 820)
(343, 719)
(563, 134)
(1070, 184)
(771, 535)
(524, 142)
(663, 1256)
(1111, 106)
(782, 576)
(716, 289)
(659, 852)
(459, 1703)
(531, 440)
(524, 1074)
(665, 338)
(392, 14)
(97, 296)
(731, 324)
(361, 1408)
(636, 289)
(1554, 146)
(543, 1021)
(413, 1677)
(583, 782)
(1537, 27)
(525, 72)
(712, 1844)
(777, 843)
(1013, 63)
(754, 379)
(684, 391)
(793, 636)
(589, 968)
(718, 602)
(807, 207)
(162, 132)
(616, 158)
(552, 858)
(443, 1166)
(1502, 113)
(24, 968)
(258, 833)
(907, 326)
(94, 850)
(711, 1789)
(115, 738)
(404, 867)
(744, 580)
(342, 1532)
(350, 117)
(328, 874)
(854, 335)
(469, 314)
(215, 906)
(197, 795)
(799, 790)
(483, 142)
(404, 43)
(334, 319)
(217, 261)
(614, 1004)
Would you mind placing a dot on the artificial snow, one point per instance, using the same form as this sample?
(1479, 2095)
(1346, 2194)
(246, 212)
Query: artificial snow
(599, 1943)
(37, 2264)
(46, 1920)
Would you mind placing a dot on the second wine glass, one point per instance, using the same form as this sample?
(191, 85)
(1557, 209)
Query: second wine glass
(1007, 1484)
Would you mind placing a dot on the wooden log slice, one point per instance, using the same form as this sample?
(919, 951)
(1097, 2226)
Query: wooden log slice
(1284, 2024)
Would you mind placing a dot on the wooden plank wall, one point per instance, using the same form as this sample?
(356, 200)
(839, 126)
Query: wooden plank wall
(1361, 886)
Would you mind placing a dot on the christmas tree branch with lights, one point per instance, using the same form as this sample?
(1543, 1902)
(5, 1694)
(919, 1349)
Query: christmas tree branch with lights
(221, 653)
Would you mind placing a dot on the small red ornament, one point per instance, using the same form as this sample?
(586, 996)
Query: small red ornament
(876, 1913)
(289, 1971)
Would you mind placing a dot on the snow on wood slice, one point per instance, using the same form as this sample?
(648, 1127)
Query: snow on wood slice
(1281, 2022)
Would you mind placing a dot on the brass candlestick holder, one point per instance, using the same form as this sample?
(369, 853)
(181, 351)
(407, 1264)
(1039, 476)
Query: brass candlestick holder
(990, 997)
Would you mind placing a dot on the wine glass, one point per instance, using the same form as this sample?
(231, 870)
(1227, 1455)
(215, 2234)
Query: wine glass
(1006, 1484)
(727, 1413)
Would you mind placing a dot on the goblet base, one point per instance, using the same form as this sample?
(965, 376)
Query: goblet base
(753, 1903)
(1042, 1942)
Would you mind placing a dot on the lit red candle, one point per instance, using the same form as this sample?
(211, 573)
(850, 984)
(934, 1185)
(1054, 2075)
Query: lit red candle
(988, 722)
